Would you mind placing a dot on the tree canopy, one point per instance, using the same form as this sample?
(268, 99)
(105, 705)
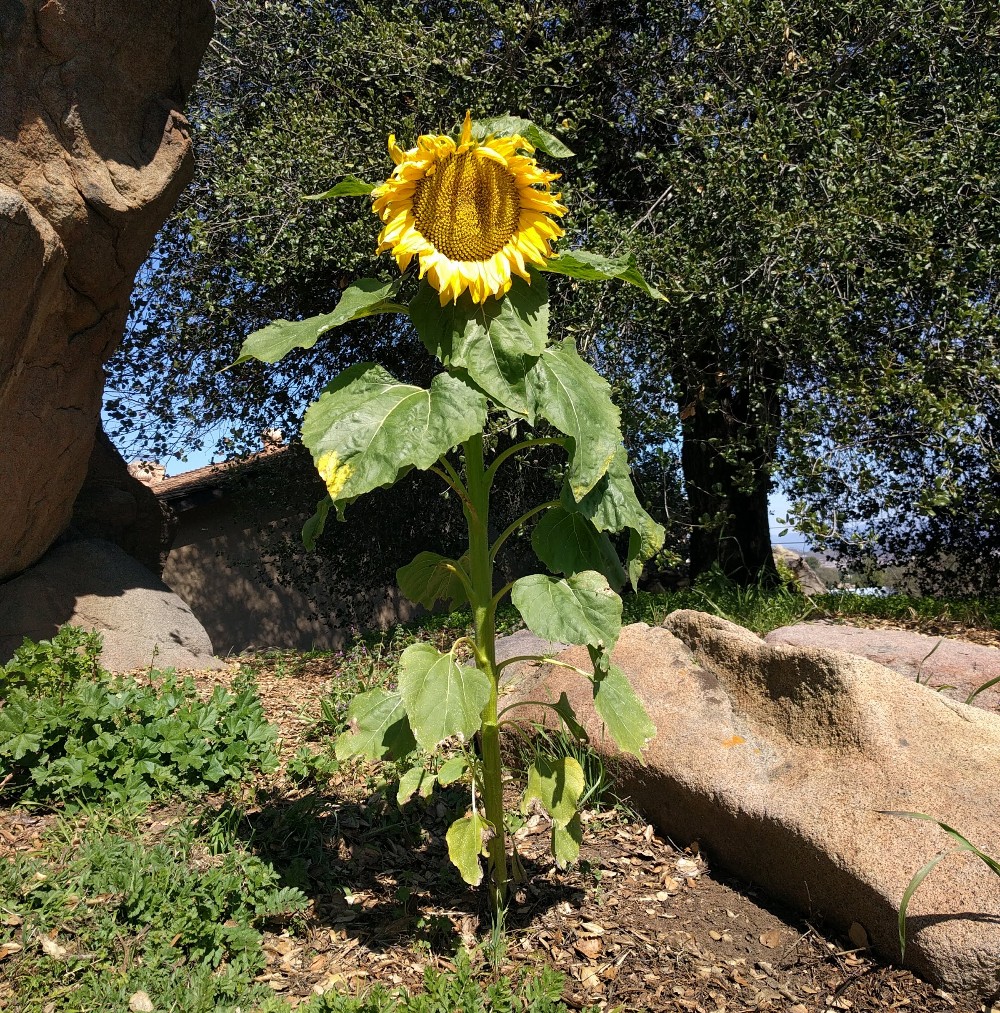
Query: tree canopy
(813, 185)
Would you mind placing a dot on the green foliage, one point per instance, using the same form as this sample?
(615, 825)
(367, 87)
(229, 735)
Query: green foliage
(76, 733)
(539, 991)
(105, 887)
(963, 845)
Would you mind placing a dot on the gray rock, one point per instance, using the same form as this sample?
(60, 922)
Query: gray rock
(94, 584)
(777, 761)
(953, 667)
(806, 577)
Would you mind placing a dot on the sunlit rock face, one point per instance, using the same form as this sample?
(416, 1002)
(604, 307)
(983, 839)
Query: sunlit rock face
(94, 151)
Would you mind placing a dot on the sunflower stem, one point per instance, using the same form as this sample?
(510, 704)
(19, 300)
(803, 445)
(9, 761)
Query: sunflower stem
(484, 618)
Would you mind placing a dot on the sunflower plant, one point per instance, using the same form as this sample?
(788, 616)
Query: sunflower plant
(476, 215)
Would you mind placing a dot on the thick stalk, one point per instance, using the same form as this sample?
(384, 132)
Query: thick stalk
(483, 611)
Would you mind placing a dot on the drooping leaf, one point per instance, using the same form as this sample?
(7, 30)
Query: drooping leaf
(451, 770)
(430, 578)
(581, 609)
(367, 429)
(316, 524)
(364, 298)
(380, 728)
(414, 780)
(506, 126)
(467, 840)
(577, 401)
(349, 186)
(612, 505)
(593, 267)
(621, 711)
(495, 342)
(558, 785)
(442, 698)
(566, 841)
(564, 709)
(568, 543)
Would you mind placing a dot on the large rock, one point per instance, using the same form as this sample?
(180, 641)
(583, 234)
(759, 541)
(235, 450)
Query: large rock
(96, 585)
(778, 760)
(953, 667)
(94, 151)
(116, 506)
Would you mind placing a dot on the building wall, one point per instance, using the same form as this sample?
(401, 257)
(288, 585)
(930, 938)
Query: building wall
(213, 565)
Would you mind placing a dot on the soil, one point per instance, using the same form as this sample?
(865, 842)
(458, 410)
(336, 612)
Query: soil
(637, 924)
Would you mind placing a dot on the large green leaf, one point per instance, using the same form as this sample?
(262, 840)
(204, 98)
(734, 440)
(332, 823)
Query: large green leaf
(495, 342)
(506, 126)
(442, 698)
(430, 578)
(621, 710)
(577, 401)
(581, 609)
(364, 298)
(612, 505)
(467, 839)
(349, 186)
(593, 267)
(558, 784)
(568, 543)
(380, 728)
(367, 429)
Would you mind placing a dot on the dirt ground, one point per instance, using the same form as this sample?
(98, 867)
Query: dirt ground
(637, 923)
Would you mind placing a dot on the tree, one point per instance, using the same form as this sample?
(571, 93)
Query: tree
(814, 185)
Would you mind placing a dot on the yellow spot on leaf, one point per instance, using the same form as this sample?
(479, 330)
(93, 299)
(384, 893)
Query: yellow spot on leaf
(333, 473)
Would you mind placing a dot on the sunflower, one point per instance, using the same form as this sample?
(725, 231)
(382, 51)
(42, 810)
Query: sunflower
(473, 213)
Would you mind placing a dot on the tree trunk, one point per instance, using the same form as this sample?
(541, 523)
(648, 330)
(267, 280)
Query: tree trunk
(730, 440)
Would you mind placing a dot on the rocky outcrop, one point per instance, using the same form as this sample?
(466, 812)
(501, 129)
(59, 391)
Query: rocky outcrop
(94, 584)
(806, 577)
(954, 668)
(94, 150)
(116, 506)
(778, 760)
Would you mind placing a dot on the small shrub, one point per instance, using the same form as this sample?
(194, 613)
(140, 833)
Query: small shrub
(73, 732)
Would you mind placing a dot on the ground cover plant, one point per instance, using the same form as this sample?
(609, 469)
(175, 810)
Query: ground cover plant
(476, 213)
(70, 731)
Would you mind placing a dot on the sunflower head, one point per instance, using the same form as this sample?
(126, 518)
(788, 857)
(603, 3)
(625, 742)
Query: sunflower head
(472, 213)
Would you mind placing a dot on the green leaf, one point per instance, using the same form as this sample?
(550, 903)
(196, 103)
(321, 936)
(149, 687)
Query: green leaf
(381, 730)
(442, 698)
(581, 609)
(506, 126)
(429, 578)
(451, 770)
(467, 839)
(566, 841)
(349, 186)
(414, 780)
(593, 267)
(364, 298)
(314, 527)
(577, 401)
(367, 429)
(612, 506)
(564, 709)
(495, 342)
(558, 785)
(568, 543)
(621, 711)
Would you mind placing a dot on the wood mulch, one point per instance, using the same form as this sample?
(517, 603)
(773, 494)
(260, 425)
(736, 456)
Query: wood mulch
(639, 923)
